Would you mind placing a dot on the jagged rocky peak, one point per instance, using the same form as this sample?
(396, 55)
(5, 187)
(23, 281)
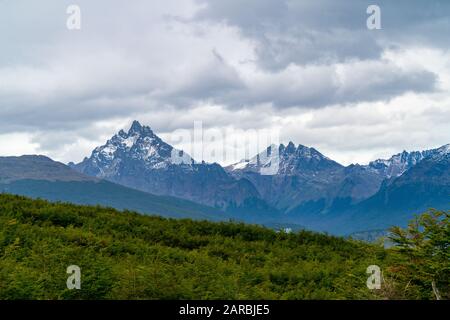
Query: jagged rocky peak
(401, 162)
(300, 151)
(289, 149)
(141, 144)
(138, 129)
(290, 159)
(139, 159)
(444, 150)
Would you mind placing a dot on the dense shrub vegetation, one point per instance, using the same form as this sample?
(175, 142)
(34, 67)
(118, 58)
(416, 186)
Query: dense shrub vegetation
(422, 258)
(124, 255)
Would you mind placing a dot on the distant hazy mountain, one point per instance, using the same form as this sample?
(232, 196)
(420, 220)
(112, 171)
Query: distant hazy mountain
(37, 168)
(41, 177)
(139, 159)
(424, 185)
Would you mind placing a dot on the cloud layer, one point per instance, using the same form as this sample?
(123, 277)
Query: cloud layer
(309, 67)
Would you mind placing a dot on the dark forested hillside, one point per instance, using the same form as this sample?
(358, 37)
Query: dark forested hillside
(111, 195)
(124, 255)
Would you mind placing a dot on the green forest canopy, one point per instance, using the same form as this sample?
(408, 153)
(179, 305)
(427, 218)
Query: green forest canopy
(124, 255)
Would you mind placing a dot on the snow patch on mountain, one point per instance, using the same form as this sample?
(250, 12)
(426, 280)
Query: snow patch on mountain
(138, 144)
(285, 160)
(401, 162)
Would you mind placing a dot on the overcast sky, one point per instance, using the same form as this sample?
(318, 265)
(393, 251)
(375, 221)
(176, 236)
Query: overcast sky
(309, 68)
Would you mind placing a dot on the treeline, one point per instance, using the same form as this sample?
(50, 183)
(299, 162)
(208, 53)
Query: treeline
(124, 255)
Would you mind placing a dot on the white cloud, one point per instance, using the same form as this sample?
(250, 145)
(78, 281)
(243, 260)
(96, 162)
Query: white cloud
(17, 144)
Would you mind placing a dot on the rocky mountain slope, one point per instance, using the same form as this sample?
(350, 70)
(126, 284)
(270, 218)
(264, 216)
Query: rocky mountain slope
(307, 182)
(141, 160)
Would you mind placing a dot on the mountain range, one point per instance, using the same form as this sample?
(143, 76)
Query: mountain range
(141, 160)
(321, 194)
(137, 170)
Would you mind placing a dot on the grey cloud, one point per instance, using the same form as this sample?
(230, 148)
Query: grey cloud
(215, 79)
(291, 31)
(311, 86)
(138, 61)
(166, 62)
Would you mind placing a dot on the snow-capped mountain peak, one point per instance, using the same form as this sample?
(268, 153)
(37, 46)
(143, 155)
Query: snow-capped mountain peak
(401, 162)
(138, 129)
(444, 150)
(138, 144)
(139, 159)
(288, 160)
